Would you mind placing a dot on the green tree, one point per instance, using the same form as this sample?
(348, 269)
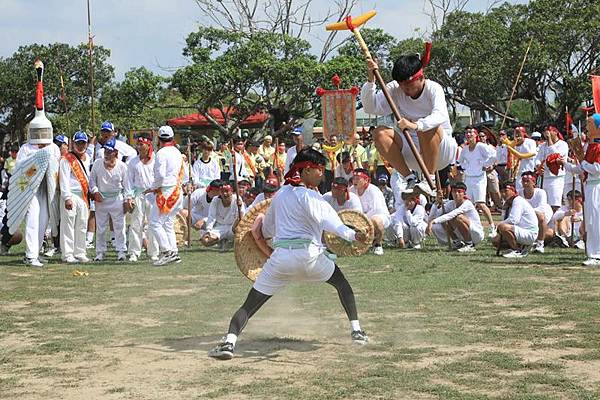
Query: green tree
(17, 78)
(246, 73)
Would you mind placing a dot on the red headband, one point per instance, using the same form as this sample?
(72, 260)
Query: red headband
(293, 175)
(148, 142)
(342, 187)
(362, 175)
(529, 177)
(511, 187)
(522, 130)
(209, 188)
(424, 63)
(226, 187)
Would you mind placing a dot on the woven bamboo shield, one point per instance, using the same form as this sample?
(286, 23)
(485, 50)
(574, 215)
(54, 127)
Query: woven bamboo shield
(248, 257)
(357, 221)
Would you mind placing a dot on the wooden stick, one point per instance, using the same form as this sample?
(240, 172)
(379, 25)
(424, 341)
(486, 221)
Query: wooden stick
(235, 185)
(189, 199)
(514, 88)
(572, 239)
(439, 190)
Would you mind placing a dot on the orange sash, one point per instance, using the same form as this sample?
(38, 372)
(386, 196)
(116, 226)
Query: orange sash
(250, 163)
(166, 205)
(79, 175)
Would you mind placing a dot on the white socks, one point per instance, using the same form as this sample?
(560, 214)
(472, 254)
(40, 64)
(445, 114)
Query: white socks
(90, 237)
(355, 325)
(231, 338)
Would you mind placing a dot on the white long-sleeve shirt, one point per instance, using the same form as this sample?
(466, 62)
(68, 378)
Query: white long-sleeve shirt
(67, 180)
(141, 176)
(412, 218)
(522, 215)
(110, 183)
(353, 202)
(372, 201)
(467, 208)
(561, 147)
(205, 172)
(300, 213)
(475, 161)
(167, 164)
(221, 215)
(200, 204)
(428, 111)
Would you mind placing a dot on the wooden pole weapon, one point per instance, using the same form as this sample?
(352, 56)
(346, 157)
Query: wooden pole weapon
(91, 72)
(235, 179)
(189, 199)
(352, 25)
(438, 185)
(514, 88)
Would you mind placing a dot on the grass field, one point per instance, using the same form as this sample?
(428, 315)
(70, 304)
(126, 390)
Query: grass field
(443, 326)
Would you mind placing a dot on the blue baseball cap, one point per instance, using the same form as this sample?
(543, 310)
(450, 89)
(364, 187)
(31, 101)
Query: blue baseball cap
(107, 126)
(110, 144)
(61, 139)
(297, 131)
(80, 136)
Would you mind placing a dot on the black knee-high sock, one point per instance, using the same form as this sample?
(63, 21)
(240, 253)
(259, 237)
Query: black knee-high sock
(253, 302)
(339, 282)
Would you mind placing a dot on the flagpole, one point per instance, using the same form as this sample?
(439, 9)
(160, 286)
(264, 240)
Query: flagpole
(91, 66)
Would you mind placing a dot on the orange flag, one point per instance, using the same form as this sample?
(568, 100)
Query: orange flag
(596, 91)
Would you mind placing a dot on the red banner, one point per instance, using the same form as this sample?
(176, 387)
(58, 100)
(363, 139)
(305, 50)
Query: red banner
(596, 92)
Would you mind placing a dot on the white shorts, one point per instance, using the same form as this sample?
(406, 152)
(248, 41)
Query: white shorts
(477, 234)
(525, 236)
(309, 264)
(446, 156)
(385, 219)
(476, 187)
(554, 187)
(547, 211)
(221, 232)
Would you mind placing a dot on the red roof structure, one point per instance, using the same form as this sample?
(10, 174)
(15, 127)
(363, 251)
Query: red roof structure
(198, 120)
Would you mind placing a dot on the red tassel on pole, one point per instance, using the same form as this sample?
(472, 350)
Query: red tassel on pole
(596, 91)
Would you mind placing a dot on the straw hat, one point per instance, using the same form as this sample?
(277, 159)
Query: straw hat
(357, 221)
(248, 257)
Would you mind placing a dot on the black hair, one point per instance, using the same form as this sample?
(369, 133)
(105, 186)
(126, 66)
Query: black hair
(361, 170)
(165, 140)
(216, 183)
(14, 147)
(527, 173)
(405, 67)
(506, 183)
(459, 186)
(310, 154)
(343, 156)
(571, 192)
(341, 181)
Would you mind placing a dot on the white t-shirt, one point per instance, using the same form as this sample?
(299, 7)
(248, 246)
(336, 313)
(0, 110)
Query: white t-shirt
(474, 161)
(353, 202)
(372, 201)
(200, 205)
(109, 182)
(527, 164)
(141, 176)
(561, 147)
(167, 166)
(522, 215)
(300, 213)
(428, 111)
(221, 215)
(206, 172)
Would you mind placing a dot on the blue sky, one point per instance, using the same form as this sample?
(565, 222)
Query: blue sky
(152, 33)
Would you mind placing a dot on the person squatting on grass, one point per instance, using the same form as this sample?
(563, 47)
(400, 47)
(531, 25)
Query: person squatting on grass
(296, 220)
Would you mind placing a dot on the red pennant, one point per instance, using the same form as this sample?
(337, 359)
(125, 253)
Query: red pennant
(596, 92)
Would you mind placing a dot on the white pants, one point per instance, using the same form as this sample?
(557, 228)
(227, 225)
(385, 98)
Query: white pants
(221, 232)
(141, 214)
(286, 265)
(413, 234)
(554, 186)
(73, 228)
(476, 187)
(36, 222)
(162, 225)
(113, 208)
(592, 218)
(477, 234)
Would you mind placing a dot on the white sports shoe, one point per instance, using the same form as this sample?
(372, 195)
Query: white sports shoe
(71, 260)
(121, 256)
(424, 188)
(493, 231)
(513, 254)
(50, 252)
(133, 258)
(99, 257)
(538, 248)
(580, 244)
(154, 258)
(83, 259)
(467, 248)
(592, 262)
(378, 250)
(34, 262)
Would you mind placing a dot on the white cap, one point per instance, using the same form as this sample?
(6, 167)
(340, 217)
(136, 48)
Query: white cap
(536, 135)
(166, 132)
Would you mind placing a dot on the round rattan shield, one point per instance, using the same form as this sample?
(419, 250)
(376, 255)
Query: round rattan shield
(248, 257)
(357, 221)
(180, 227)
